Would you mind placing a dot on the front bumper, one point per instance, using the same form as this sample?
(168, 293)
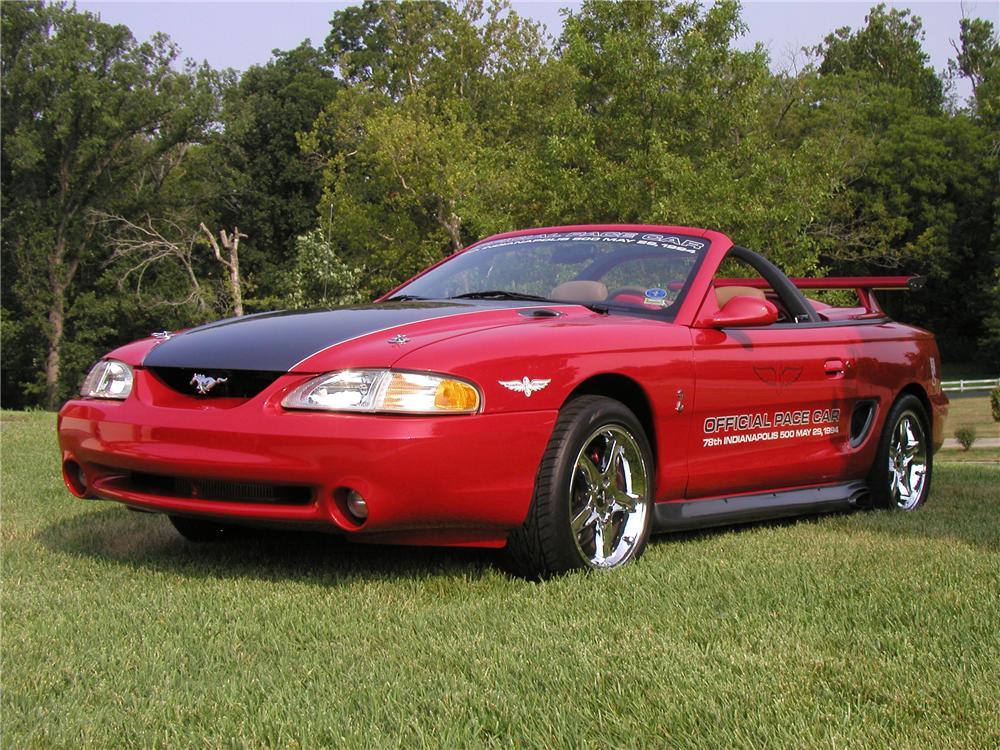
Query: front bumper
(434, 480)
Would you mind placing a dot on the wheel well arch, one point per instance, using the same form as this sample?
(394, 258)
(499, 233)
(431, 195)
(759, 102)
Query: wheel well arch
(917, 390)
(627, 391)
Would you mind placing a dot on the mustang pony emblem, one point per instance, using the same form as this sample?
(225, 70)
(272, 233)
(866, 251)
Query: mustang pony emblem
(524, 385)
(204, 383)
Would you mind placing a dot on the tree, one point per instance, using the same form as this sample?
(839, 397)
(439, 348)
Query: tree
(252, 171)
(456, 121)
(989, 343)
(84, 109)
(144, 247)
(675, 125)
(916, 198)
(887, 50)
(406, 143)
(420, 126)
(319, 277)
(978, 60)
(230, 242)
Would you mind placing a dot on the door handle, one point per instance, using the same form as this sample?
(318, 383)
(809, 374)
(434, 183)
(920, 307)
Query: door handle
(834, 367)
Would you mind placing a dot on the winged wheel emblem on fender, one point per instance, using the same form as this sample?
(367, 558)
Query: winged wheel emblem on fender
(525, 385)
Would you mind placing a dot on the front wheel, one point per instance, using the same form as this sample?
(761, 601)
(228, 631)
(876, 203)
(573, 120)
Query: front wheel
(592, 506)
(901, 475)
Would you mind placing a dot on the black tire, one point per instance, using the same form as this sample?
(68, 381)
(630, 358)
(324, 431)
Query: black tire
(900, 477)
(203, 531)
(612, 506)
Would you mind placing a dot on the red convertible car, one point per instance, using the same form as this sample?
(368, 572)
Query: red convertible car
(561, 393)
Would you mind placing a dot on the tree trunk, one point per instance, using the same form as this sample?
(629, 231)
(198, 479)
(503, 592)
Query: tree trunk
(234, 269)
(59, 279)
(232, 264)
(451, 223)
(57, 316)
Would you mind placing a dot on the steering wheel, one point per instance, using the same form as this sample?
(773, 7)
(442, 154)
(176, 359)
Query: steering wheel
(627, 290)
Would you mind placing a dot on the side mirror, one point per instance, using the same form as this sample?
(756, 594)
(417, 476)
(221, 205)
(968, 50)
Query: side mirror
(745, 311)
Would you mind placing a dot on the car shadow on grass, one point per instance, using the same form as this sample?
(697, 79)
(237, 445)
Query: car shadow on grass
(710, 532)
(149, 541)
(934, 522)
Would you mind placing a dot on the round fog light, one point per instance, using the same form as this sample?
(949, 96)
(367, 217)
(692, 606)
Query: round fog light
(75, 478)
(356, 505)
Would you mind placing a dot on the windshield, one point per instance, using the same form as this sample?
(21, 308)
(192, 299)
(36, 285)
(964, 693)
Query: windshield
(635, 271)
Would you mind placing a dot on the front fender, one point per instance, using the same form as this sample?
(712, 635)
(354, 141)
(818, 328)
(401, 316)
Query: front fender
(564, 354)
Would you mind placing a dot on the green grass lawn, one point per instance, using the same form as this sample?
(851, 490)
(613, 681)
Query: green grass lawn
(864, 630)
(973, 455)
(971, 411)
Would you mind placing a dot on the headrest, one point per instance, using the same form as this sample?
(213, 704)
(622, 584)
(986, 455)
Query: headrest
(580, 291)
(725, 293)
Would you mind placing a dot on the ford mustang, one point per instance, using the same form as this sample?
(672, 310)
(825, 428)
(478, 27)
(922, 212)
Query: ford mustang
(559, 393)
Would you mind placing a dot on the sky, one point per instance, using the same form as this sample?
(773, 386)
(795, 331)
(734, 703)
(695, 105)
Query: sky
(238, 33)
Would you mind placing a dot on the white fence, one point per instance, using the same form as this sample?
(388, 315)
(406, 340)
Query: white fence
(967, 386)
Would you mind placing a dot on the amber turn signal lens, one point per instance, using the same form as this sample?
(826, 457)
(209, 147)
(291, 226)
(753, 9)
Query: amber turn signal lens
(454, 395)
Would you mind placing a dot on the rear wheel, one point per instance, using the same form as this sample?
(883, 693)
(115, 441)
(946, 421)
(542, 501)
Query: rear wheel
(901, 475)
(592, 506)
(203, 531)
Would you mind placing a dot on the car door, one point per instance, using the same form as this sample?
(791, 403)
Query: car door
(771, 408)
(772, 405)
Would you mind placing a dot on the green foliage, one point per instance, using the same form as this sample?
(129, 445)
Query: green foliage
(85, 110)
(965, 436)
(418, 127)
(995, 403)
(319, 277)
(989, 342)
(257, 176)
(919, 184)
(888, 50)
(675, 126)
(412, 147)
(978, 60)
(422, 156)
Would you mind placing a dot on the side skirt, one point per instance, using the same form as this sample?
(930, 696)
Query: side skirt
(680, 515)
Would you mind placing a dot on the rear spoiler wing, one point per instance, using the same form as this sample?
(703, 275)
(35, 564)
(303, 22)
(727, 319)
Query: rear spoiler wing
(864, 286)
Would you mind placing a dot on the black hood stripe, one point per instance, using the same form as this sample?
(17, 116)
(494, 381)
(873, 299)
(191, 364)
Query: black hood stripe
(284, 340)
(465, 312)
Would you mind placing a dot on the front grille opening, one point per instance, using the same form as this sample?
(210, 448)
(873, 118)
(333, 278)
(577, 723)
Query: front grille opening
(223, 383)
(861, 422)
(219, 489)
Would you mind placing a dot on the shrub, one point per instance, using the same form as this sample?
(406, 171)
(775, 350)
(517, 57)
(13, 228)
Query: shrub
(965, 436)
(320, 277)
(995, 403)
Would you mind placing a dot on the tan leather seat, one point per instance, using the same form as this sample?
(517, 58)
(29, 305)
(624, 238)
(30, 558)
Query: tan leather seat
(725, 293)
(580, 291)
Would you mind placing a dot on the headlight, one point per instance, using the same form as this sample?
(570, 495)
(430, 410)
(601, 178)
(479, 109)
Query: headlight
(109, 378)
(386, 391)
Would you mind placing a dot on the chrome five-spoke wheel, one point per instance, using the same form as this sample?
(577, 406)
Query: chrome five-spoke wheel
(593, 501)
(907, 461)
(608, 497)
(900, 477)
